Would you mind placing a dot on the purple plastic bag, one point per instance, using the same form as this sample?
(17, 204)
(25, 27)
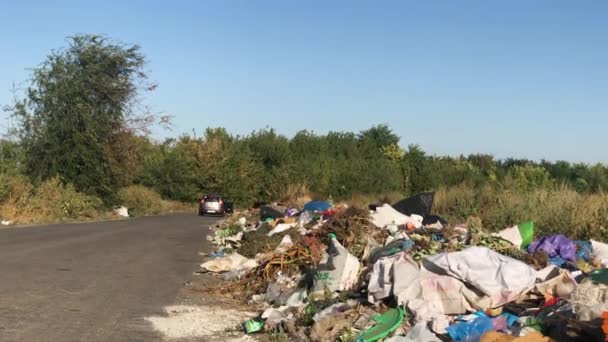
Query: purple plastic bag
(555, 245)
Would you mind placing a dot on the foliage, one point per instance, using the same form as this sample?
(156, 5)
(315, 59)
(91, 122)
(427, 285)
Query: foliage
(76, 115)
(140, 200)
(51, 201)
(80, 139)
(11, 157)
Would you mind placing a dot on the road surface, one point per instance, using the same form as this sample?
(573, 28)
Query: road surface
(95, 281)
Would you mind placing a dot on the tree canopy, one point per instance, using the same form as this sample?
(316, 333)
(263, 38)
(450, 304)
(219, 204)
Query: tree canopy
(79, 111)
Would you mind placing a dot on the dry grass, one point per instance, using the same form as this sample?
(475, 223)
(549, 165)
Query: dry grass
(555, 210)
(52, 201)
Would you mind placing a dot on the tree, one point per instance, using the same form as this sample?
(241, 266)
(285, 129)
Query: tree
(11, 157)
(78, 111)
(379, 136)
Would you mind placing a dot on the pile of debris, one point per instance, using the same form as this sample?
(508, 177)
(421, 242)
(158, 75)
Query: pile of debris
(397, 272)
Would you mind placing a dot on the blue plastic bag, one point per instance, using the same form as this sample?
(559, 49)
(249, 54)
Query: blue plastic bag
(470, 331)
(317, 206)
(583, 250)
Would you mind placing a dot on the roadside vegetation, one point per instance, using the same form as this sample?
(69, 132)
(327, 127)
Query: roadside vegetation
(82, 146)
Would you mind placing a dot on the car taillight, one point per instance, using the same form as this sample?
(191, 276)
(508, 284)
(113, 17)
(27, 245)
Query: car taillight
(202, 201)
(221, 203)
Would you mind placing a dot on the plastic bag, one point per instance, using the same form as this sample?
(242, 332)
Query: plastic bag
(318, 206)
(386, 215)
(600, 251)
(470, 331)
(520, 235)
(420, 204)
(338, 272)
(555, 245)
(232, 262)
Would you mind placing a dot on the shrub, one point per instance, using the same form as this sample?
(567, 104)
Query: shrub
(51, 201)
(57, 201)
(140, 200)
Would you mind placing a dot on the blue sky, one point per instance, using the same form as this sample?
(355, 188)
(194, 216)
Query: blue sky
(512, 78)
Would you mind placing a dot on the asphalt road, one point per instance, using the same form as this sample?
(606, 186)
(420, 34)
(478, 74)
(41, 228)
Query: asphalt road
(95, 281)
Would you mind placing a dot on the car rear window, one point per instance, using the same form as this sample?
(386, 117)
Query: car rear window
(212, 199)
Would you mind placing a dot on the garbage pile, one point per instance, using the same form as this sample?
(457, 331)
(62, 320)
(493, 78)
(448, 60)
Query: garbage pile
(398, 273)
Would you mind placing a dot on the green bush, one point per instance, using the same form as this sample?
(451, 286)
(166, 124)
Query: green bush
(140, 200)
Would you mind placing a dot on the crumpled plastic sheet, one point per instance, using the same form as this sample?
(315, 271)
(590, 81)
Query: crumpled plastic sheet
(425, 293)
(555, 245)
(501, 278)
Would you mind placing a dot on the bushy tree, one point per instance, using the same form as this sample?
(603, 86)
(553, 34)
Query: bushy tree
(77, 112)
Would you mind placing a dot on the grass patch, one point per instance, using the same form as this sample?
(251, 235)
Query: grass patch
(558, 209)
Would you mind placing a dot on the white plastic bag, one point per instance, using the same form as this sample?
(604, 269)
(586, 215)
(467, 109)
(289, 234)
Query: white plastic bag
(386, 215)
(600, 251)
(339, 271)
